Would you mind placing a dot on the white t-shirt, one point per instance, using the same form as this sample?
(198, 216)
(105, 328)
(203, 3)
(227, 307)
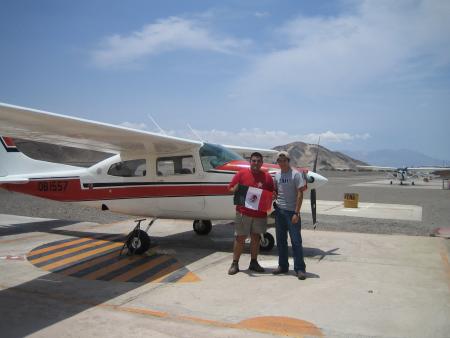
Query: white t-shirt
(287, 185)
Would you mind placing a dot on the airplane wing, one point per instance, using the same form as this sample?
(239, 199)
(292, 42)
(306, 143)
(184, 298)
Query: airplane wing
(36, 125)
(375, 167)
(441, 172)
(429, 169)
(245, 152)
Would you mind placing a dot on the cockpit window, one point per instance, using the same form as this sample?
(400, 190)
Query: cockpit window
(214, 155)
(175, 165)
(132, 168)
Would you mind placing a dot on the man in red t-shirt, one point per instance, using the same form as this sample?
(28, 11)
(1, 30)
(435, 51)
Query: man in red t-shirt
(248, 221)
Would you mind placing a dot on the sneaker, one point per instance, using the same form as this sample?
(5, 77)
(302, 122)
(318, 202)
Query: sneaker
(234, 268)
(301, 275)
(254, 266)
(280, 270)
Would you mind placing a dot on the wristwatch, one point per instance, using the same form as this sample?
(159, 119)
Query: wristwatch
(297, 213)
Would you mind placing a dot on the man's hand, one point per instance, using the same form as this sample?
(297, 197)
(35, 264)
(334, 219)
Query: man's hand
(274, 195)
(233, 189)
(295, 218)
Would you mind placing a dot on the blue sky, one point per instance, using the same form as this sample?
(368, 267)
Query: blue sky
(365, 75)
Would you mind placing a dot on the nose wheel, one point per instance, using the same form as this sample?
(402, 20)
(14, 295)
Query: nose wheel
(267, 242)
(138, 241)
(202, 227)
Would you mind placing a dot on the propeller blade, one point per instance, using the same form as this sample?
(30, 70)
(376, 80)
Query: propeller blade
(317, 156)
(313, 207)
(313, 191)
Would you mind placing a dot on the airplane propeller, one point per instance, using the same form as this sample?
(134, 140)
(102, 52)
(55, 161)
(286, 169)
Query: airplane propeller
(313, 191)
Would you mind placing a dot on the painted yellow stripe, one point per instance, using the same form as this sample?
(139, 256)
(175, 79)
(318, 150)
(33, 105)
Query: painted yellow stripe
(69, 251)
(90, 263)
(141, 311)
(156, 278)
(62, 245)
(189, 278)
(279, 326)
(80, 256)
(107, 269)
(140, 269)
(284, 326)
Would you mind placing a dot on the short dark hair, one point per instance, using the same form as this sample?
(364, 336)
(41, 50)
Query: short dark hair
(256, 154)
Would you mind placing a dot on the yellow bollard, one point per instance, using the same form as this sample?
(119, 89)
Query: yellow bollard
(351, 200)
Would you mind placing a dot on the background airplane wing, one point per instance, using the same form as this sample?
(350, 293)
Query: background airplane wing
(428, 169)
(374, 167)
(36, 125)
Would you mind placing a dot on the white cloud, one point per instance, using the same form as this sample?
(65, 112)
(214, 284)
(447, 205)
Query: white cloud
(261, 14)
(271, 138)
(162, 36)
(378, 42)
(256, 137)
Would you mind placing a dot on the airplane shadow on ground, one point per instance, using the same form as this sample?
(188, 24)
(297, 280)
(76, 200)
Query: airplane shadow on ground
(40, 226)
(41, 302)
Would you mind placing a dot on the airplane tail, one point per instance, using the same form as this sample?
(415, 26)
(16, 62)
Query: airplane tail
(14, 163)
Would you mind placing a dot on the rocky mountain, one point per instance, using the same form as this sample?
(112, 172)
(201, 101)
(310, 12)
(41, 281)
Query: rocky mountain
(303, 155)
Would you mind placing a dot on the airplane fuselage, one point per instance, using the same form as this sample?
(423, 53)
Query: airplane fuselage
(184, 185)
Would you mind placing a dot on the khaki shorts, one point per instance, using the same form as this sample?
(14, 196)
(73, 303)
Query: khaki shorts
(246, 225)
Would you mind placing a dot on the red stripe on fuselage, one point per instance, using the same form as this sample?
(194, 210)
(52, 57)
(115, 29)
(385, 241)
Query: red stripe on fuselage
(69, 190)
(241, 164)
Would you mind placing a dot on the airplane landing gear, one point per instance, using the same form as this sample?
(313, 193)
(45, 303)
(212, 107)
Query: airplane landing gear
(267, 242)
(138, 241)
(391, 182)
(202, 227)
(412, 183)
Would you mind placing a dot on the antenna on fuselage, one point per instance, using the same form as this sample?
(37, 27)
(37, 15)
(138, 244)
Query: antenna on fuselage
(195, 133)
(156, 124)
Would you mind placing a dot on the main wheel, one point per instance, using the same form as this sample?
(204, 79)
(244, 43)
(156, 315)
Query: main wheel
(267, 242)
(138, 242)
(202, 227)
(412, 183)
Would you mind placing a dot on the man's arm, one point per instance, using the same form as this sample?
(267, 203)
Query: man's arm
(234, 184)
(299, 201)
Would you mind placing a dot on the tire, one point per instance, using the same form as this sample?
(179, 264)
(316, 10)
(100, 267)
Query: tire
(267, 243)
(202, 227)
(412, 183)
(138, 242)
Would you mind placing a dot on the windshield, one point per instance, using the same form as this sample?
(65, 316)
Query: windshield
(214, 155)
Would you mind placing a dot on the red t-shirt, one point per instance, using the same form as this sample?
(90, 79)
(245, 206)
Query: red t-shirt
(247, 177)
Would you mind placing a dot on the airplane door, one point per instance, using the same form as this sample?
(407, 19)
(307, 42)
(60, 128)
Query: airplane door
(179, 183)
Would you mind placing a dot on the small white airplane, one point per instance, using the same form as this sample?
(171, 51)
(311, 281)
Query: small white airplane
(151, 175)
(405, 174)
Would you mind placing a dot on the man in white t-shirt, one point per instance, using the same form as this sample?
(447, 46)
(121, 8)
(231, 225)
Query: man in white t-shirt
(289, 186)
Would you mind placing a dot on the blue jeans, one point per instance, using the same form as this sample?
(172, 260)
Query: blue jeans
(283, 219)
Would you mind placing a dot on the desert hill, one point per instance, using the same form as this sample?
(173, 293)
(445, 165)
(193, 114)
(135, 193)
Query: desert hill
(303, 155)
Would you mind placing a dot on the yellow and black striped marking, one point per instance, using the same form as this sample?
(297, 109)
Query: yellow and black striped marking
(97, 258)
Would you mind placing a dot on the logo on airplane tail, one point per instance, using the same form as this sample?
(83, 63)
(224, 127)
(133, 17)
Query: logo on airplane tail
(8, 144)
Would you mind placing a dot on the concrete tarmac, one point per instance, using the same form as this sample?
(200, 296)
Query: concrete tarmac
(61, 273)
(358, 285)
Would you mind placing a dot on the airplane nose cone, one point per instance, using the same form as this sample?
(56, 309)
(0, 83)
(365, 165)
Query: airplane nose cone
(318, 180)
